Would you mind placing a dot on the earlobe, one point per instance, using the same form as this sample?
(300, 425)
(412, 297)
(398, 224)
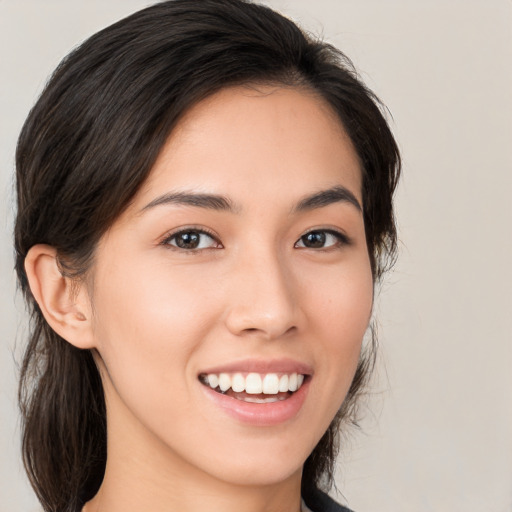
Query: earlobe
(64, 303)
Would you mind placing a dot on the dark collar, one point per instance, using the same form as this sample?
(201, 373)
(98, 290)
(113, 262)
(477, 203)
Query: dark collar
(321, 502)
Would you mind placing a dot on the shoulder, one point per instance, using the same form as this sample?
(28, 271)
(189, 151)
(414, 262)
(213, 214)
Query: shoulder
(321, 502)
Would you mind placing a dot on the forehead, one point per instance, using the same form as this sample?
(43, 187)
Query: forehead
(264, 139)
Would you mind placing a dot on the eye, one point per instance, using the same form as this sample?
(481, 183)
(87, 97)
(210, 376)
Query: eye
(321, 239)
(192, 239)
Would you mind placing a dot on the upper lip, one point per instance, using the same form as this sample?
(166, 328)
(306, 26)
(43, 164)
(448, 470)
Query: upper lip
(284, 365)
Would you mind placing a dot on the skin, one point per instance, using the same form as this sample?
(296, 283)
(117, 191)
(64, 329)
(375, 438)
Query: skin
(157, 315)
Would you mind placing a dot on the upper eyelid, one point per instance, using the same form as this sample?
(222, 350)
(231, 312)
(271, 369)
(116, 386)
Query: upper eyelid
(336, 232)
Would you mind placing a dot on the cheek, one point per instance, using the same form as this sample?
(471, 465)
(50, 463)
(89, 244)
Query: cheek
(341, 301)
(151, 303)
(341, 313)
(148, 327)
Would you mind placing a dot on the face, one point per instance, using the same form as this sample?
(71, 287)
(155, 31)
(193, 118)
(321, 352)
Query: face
(231, 298)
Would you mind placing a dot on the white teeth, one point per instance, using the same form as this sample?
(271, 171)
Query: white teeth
(292, 383)
(283, 383)
(213, 380)
(271, 384)
(238, 383)
(269, 400)
(224, 381)
(254, 383)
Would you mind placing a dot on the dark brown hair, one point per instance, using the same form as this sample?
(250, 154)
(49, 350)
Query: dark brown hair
(91, 141)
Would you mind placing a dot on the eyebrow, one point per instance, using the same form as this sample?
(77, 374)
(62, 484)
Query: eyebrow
(337, 194)
(323, 198)
(208, 201)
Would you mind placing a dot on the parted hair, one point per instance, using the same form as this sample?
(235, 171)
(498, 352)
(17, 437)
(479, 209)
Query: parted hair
(88, 145)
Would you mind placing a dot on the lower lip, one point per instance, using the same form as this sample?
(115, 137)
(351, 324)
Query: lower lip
(262, 415)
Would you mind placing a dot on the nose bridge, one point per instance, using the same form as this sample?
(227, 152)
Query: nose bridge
(263, 299)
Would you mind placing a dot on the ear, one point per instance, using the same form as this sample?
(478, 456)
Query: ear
(64, 303)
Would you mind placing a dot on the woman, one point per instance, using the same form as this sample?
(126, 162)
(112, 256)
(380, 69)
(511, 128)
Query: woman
(204, 208)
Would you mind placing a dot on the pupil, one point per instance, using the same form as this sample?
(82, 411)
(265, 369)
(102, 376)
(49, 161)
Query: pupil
(188, 240)
(314, 239)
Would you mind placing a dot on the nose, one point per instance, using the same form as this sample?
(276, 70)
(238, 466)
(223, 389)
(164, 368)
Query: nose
(262, 300)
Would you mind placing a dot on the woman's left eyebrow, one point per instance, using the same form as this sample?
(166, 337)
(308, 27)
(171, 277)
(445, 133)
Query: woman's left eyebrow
(337, 194)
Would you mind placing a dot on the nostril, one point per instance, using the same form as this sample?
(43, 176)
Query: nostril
(268, 333)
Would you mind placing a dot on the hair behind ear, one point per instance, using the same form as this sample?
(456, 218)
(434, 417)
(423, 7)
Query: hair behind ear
(56, 422)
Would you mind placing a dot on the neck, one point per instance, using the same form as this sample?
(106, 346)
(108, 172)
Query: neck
(135, 487)
(120, 496)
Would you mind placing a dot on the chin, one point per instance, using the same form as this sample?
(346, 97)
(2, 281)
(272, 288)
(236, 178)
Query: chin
(273, 472)
(258, 462)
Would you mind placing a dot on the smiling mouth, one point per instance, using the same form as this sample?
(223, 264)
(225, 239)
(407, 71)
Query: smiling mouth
(255, 387)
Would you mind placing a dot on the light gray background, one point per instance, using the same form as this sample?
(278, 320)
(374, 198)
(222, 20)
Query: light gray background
(438, 431)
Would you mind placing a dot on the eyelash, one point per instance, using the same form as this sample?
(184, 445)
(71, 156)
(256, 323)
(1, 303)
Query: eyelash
(342, 239)
(200, 231)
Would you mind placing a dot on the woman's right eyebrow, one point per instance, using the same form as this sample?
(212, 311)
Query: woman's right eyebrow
(199, 200)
